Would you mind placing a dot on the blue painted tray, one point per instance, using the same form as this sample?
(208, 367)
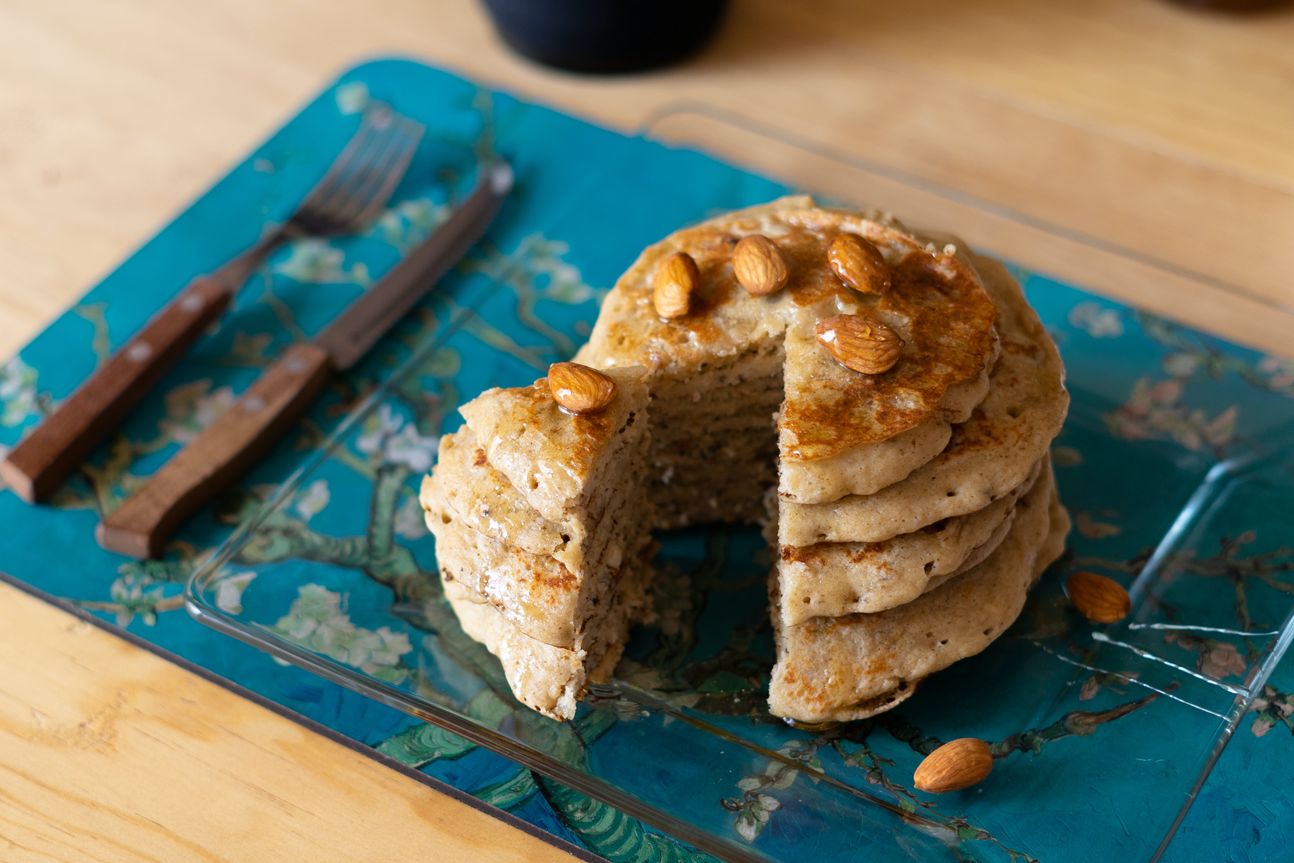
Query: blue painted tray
(1171, 462)
(1174, 461)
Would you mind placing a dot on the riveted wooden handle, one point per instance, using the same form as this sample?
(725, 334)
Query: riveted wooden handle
(220, 454)
(37, 465)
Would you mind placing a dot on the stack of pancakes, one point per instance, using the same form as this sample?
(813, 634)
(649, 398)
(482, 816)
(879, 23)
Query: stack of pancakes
(541, 522)
(912, 508)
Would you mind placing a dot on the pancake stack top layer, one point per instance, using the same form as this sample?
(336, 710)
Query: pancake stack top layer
(934, 302)
(539, 521)
(885, 417)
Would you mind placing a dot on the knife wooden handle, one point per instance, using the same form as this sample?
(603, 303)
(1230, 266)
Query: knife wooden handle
(36, 466)
(220, 454)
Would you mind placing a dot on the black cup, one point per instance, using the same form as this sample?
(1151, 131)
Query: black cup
(605, 35)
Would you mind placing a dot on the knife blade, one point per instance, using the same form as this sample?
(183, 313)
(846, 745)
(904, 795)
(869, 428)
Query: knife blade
(244, 433)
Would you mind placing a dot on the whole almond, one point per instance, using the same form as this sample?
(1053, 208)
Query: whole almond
(675, 282)
(859, 264)
(580, 389)
(860, 342)
(1099, 599)
(956, 765)
(758, 264)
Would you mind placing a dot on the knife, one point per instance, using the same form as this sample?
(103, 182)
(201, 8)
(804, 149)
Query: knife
(243, 434)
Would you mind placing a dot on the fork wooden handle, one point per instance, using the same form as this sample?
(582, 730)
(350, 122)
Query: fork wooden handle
(220, 454)
(36, 466)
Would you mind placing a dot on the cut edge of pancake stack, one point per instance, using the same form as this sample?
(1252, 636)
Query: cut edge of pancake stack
(883, 406)
(539, 518)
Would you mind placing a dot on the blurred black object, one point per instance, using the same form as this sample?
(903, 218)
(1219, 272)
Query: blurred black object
(605, 35)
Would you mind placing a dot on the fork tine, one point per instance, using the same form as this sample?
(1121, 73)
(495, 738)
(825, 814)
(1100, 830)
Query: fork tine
(398, 163)
(348, 198)
(372, 124)
(365, 187)
(329, 213)
(364, 175)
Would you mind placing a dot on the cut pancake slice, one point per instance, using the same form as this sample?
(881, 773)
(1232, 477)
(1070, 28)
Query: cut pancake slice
(538, 594)
(990, 454)
(562, 464)
(543, 677)
(832, 579)
(529, 568)
(542, 526)
(852, 667)
(466, 488)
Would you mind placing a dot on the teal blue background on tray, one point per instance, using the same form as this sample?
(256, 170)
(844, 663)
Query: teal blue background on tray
(587, 200)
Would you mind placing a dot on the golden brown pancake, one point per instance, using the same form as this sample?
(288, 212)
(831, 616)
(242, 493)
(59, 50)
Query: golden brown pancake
(542, 527)
(911, 508)
(851, 667)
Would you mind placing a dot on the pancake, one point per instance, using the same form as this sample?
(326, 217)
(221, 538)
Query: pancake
(540, 595)
(466, 487)
(834, 427)
(556, 461)
(839, 578)
(852, 667)
(864, 469)
(989, 454)
(546, 678)
(542, 527)
(911, 508)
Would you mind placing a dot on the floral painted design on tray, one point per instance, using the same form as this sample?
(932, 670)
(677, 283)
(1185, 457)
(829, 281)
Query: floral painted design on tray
(340, 565)
(707, 660)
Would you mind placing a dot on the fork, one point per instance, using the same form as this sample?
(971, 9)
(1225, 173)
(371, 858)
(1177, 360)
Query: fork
(346, 200)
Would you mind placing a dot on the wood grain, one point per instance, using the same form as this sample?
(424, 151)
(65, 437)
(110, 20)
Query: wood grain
(1125, 120)
(110, 753)
(1132, 122)
(1136, 278)
(35, 468)
(225, 450)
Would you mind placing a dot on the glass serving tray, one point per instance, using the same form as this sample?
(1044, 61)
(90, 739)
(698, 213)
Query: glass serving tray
(1175, 462)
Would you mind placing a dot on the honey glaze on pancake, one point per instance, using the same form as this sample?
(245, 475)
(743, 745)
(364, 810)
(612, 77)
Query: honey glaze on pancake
(573, 440)
(703, 326)
(936, 303)
(939, 308)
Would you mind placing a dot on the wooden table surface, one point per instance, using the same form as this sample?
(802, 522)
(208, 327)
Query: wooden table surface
(1166, 134)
